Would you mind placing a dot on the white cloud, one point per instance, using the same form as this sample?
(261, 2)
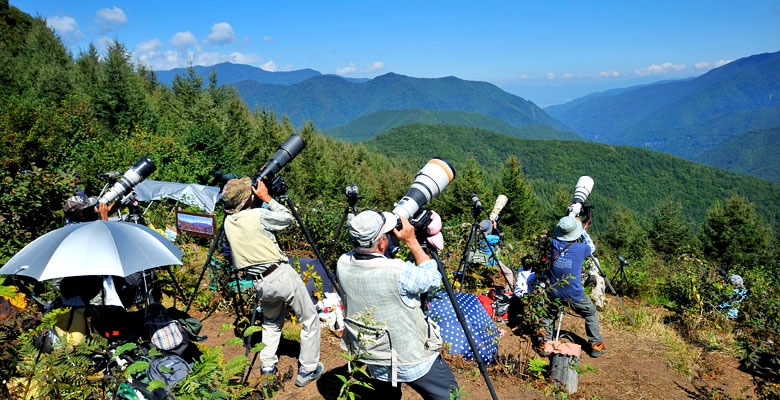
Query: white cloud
(66, 27)
(268, 39)
(270, 66)
(549, 76)
(721, 63)
(609, 74)
(102, 43)
(110, 19)
(221, 33)
(709, 65)
(347, 70)
(702, 65)
(182, 40)
(656, 69)
(377, 66)
(148, 46)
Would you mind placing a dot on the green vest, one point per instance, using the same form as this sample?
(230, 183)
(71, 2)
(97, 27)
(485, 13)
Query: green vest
(250, 243)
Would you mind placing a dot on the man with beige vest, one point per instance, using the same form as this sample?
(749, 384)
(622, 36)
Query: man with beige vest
(255, 250)
(383, 295)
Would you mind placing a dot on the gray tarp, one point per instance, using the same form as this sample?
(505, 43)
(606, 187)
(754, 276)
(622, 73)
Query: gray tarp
(192, 194)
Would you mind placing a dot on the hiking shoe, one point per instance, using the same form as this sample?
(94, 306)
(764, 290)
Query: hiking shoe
(268, 371)
(598, 349)
(305, 378)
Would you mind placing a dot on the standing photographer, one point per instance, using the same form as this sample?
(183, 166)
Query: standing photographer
(254, 249)
(385, 294)
(570, 246)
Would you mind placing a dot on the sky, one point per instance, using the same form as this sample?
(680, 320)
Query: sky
(548, 52)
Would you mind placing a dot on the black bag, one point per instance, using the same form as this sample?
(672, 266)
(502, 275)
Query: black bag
(171, 369)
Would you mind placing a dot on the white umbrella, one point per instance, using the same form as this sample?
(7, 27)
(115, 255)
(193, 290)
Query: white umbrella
(93, 248)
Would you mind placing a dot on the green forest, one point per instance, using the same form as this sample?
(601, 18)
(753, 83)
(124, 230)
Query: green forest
(65, 118)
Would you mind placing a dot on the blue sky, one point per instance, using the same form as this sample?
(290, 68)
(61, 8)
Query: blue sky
(548, 52)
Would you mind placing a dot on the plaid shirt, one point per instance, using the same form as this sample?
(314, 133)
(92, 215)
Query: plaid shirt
(412, 281)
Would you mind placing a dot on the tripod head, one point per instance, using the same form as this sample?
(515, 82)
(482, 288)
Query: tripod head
(623, 262)
(352, 196)
(476, 205)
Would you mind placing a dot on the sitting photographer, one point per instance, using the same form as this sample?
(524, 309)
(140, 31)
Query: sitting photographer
(387, 291)
(570, 246)
(255, 250)
(492, 236)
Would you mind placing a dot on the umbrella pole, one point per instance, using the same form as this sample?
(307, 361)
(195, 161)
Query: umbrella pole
(464, 324)
(213, 247)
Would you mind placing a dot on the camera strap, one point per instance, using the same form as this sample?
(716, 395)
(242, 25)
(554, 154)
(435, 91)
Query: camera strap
(560, 252)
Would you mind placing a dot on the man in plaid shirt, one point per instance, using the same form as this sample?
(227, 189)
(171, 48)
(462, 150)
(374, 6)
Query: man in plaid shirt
(389, 291)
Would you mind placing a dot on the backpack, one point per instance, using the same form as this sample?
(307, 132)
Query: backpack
(171, 369)
(165, 333)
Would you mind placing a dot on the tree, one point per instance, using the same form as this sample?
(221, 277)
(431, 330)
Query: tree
(624, 235)
(734, 235)
(120, 104)
(668, 233)
(521, 215)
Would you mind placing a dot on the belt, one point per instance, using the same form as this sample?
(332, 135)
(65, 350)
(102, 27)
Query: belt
(265, 273)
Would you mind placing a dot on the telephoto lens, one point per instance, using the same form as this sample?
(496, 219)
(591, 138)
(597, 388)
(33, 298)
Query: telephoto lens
(137, 173)
(475, 201)
(286, 152)
(582, 189)
(500, 203)
(432, 179)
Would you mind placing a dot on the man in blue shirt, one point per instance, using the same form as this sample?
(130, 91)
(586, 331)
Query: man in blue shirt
(570, 246)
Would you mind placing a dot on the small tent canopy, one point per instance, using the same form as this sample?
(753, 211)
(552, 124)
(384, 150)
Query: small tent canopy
(483, 330)
(193, 194)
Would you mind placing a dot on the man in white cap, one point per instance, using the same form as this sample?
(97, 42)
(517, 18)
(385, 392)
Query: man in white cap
(254, 249)
(570, 246)
(386, 293)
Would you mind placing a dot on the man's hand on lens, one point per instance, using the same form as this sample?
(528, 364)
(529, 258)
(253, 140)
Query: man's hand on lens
(407, 231)
(103, 209)
(261, 192)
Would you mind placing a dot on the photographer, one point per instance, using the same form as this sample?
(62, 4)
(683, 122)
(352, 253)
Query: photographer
(492, 236)
(570, 246)
(387, 291)
(255, 250)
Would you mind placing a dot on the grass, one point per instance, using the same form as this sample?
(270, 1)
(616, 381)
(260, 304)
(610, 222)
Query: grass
(291, 331)
(650, 324)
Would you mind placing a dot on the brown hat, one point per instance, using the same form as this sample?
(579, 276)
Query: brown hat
(235, 194)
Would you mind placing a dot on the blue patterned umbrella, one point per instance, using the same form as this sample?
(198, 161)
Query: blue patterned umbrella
(482, 328)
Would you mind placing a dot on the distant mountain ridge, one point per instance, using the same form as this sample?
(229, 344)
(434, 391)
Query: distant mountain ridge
(753, 153)
(371, 125)
(626, 178)
(685, 117)
(329, 101)
(234, 73)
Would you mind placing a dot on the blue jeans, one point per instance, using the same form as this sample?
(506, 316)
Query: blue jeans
(584, 308)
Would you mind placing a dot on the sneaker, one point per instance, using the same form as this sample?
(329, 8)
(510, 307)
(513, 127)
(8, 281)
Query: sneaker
(598, 349)
(268, 371)
(305, 378)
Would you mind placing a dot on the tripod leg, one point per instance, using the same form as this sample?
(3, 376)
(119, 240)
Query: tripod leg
(175, 284)
(314, 247)
(464, 325)
(213, 247)
(464, 259)
(601, 271)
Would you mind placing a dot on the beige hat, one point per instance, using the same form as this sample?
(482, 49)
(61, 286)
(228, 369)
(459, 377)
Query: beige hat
(235, 194)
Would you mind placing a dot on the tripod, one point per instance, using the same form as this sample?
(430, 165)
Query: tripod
(352, 199)
(621, 271)
(601, 271)
(476, 209)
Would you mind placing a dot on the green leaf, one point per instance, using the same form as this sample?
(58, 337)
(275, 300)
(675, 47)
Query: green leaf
(234, 341)
(342, 378)
(136, 367)
(225, 327)
(258, 347)
(155, 384)
(125, 348)
(252, 329)
(154, 352)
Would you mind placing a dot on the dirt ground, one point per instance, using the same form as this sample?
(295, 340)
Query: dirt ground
(632, 369)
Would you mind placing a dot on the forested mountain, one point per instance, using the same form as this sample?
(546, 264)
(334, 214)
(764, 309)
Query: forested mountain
(330, 101)
(233, 73)
(687, 117)
(754, 153)
(368, 126)
(626, 178)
